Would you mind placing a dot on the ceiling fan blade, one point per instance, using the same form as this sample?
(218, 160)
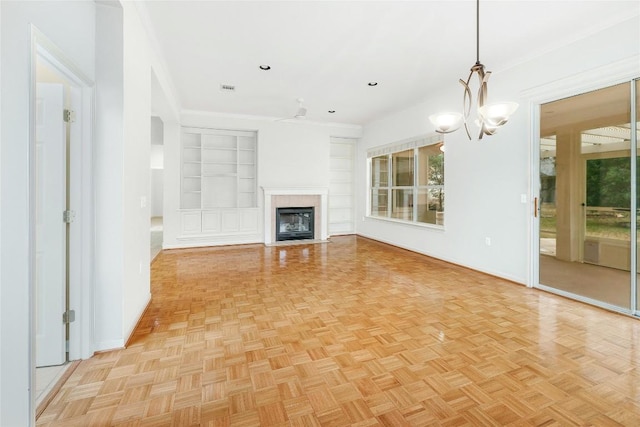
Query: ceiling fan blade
(300, 114)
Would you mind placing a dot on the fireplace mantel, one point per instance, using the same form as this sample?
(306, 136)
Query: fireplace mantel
(270, 193)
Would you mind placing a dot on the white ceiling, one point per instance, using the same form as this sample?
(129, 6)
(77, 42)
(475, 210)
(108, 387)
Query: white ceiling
(327, 51)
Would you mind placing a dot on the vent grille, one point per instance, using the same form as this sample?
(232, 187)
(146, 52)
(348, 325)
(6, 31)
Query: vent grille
(227, 88)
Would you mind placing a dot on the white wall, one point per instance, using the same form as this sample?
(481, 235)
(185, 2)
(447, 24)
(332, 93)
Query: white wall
(122, 75)
(137, 191)
(123, 188)
(290, 154)
(1, 245)
(165, 107)
(70, 25)
(484, 180)
(2, 390)
(108, 178)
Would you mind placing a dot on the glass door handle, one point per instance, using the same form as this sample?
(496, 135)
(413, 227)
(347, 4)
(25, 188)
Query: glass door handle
(535, 207)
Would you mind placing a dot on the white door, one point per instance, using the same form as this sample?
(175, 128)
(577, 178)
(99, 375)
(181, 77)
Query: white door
(51, 247)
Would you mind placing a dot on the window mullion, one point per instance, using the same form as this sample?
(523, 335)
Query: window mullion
(414, 192)
(390, 182)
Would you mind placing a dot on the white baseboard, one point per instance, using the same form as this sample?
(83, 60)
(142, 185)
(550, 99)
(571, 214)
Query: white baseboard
(109, 345)
(141, 311)
(199, 242)
(501, 275)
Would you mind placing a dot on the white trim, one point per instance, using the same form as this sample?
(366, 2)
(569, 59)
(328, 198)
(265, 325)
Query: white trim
(589, 30)
(618, 72)
(584, 299)
(88, 205)
(56, 57)
(501, 275)
(109, 345)
(75, 230)
(408, 223)
(213, 238)
(216, 131)
(608, 75)
(141, 311)
(634, 202)
(266, 118)
(533, 218)
(81, 236)
(211, 241)
(32, 221)
(405, 144)
(344, 139)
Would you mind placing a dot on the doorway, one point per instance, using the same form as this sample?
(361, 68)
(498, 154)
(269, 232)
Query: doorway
(588, 198)
(61, 210)
(157, 186)
(51, 213)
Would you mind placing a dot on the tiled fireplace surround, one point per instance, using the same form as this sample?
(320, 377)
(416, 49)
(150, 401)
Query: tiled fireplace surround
(295, 197)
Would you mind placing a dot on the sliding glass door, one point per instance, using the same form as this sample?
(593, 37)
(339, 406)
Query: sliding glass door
(587, 215)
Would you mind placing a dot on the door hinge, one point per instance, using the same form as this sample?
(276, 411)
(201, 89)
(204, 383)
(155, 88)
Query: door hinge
(68, 216)
(69, 316)
(69, 116)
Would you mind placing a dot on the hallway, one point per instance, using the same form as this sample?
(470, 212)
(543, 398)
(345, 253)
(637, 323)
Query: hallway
(156, 237)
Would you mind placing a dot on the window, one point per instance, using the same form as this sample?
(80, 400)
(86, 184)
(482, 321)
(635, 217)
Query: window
(407, 181)
(379, 186)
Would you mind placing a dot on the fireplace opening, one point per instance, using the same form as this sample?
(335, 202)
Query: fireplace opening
(294, 223)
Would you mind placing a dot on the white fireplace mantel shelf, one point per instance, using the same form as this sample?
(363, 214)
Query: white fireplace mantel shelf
(288, 191)
(269, 219)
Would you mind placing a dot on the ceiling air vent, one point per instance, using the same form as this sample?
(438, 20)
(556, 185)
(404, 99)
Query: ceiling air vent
(227, 88)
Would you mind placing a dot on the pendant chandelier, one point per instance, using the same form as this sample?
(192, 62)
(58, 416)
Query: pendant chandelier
(490, 117)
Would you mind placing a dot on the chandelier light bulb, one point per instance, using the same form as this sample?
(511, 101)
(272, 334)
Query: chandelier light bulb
(446, 122)
(497, 114)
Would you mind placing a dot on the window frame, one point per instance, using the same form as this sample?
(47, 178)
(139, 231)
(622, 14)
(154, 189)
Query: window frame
(387, 153)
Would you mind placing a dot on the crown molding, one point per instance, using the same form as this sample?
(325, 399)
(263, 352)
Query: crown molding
(587, 32)
(232, 116)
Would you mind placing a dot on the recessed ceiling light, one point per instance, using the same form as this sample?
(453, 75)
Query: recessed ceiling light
(372, 83)
(332, 111)
(265, 67)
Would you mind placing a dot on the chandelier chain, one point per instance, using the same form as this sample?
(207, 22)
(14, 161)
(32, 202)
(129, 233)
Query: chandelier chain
(477, 31)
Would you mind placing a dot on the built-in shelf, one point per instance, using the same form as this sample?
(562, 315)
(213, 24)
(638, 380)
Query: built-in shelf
(218, 183)
(341, 186)
(214, 164)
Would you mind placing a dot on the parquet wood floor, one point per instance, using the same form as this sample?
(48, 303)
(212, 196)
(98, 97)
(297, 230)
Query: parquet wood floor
(354, 333)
